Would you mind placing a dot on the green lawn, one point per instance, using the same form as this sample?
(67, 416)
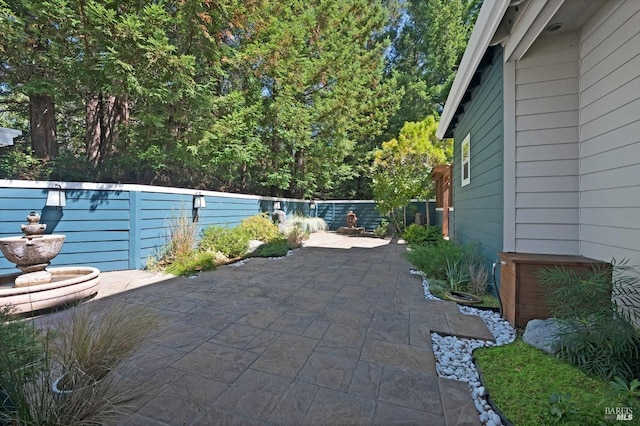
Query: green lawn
(521, 379)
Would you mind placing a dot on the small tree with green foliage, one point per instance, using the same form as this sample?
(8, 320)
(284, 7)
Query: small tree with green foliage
(402, 167)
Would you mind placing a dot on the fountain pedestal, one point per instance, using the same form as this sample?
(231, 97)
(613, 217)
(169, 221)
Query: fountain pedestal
(39, 287)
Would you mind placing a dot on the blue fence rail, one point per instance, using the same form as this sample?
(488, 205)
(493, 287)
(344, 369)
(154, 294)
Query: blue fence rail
(117, 227)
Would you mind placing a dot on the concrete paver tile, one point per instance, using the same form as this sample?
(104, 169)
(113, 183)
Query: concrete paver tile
(366, 380)
(414, 358)
(317, 329)
(339, 349)
(469, 326)
(237, 335)
(254, 394)
(331, 407)
(420, 333)
(293, 322)
(352, 290)
(286, 355)
(185, 400)
(262, 341)
(353, 304)
(393, 415)
(390, 331)
(328, 371)
(207, 317)
(182, 336)
(356, 319)
(262, 318)
(216, 361)
(411, 390)
(150, 361)
(221, 417)
(343, 333)
(294, 405)
(457, 404)
(138, 420)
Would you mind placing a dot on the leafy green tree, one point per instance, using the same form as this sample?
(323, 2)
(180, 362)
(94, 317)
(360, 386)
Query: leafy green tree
(320, 74)
(402, 167)
(428, 42)
(29, 66)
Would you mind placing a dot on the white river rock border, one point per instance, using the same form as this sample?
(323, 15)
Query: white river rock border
(453, 354)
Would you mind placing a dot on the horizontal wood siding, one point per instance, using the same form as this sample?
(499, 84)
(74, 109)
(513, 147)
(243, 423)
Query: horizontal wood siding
(547, 147)
(95, 223)
(478, 206)
(610, 133)
(119, 227)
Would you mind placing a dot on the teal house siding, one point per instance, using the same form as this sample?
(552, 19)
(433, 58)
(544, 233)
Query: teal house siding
(479, 205)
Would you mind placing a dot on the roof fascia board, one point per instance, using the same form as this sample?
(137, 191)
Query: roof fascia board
(534, 20)
(486, 25)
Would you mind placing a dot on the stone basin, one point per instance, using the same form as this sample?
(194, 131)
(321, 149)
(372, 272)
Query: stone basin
(67, 285)
(33, 253)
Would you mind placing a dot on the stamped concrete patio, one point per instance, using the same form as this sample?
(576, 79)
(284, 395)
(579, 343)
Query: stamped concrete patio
(337, 333)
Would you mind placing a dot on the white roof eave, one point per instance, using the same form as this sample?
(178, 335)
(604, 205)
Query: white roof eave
(487, 23)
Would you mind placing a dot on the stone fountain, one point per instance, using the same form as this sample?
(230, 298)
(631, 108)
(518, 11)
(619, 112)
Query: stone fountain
(40, 287)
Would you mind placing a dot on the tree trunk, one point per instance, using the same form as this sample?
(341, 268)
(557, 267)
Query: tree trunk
(93, 129)
(42, 120)
(104, 118)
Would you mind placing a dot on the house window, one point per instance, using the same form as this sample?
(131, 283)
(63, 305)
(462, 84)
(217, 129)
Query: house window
(466, 160)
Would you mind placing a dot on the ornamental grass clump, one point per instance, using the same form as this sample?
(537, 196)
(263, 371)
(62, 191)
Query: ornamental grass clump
(68, 375)
(307, 224)
(597, 313)
(91, 346)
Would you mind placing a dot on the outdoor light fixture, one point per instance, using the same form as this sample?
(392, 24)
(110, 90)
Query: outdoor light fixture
(199, 201)
(276, 205)
(56, 197)
(312, 205)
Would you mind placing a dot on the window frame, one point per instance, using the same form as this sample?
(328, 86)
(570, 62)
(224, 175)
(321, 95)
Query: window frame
(465, 163)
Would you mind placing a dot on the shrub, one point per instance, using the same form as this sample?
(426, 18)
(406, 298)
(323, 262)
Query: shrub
(382, 229)
(432, 259)
(232, 242)
(260, 227)
(21, 344)
(196, 262)
(276, 248)
(597, 332)
(422, 235)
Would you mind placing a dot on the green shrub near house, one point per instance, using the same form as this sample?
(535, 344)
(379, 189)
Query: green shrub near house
(231, 242)
(420, 235)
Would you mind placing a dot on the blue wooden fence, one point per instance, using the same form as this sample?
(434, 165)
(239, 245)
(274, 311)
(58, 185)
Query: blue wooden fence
(118, 227)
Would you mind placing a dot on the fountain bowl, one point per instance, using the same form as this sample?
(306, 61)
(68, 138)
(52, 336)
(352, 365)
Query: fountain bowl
(32, 253)
(67, 285)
